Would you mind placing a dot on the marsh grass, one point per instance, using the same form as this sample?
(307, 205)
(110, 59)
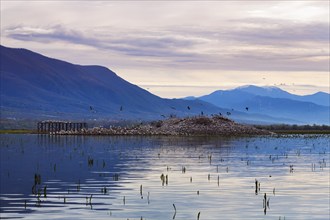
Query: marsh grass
(18, 131)
(301, 131)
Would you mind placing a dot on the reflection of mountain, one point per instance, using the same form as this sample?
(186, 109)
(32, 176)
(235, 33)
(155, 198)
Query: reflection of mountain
(221, 168)
(35, 86)
(274, 102)
(63, 165)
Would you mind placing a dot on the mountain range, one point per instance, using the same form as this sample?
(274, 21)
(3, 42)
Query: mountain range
(34, 86)
(274, 102)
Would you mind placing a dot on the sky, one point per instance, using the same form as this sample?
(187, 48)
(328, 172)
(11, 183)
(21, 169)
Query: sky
(182, 48)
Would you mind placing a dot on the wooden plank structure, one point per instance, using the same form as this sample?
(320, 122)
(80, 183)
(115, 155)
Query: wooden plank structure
(54, 126)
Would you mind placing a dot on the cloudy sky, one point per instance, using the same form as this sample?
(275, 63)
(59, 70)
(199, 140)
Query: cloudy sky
(182, 48)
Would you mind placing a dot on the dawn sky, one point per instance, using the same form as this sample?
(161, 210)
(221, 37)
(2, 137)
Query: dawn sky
(181, 48)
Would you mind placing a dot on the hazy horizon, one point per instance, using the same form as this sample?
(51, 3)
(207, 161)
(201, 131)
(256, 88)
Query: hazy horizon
(187, 48)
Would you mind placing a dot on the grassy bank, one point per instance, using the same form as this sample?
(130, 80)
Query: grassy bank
(17, 131)
(296, 129)
(301, 131)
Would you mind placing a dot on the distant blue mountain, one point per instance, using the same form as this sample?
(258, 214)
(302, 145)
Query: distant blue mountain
(274, 102)
(319, 98)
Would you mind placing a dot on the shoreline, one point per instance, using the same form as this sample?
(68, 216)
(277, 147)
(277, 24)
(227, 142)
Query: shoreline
(276, 132)
(189, 126)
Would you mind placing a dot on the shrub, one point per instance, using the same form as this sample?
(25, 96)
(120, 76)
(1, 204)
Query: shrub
(202, 121)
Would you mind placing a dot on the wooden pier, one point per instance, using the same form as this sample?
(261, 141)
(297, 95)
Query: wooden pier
(54, 126)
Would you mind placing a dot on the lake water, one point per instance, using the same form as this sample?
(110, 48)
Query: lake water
(103, 177)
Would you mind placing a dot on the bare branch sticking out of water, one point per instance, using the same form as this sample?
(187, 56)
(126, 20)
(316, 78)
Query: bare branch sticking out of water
(174, 211)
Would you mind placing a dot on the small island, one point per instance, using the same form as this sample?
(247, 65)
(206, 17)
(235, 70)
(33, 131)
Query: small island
(189, 126)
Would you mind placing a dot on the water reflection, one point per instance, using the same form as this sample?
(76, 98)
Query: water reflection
(164, 177)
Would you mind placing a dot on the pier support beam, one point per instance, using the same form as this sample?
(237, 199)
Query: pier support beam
(55, 126)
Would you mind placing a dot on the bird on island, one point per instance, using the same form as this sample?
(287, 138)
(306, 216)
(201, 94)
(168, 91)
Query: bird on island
(188, 107)
(247, 108)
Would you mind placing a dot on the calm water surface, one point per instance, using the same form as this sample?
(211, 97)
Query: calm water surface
(77, 177)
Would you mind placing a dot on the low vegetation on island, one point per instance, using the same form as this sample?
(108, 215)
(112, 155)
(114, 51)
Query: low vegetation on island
(197, 125)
